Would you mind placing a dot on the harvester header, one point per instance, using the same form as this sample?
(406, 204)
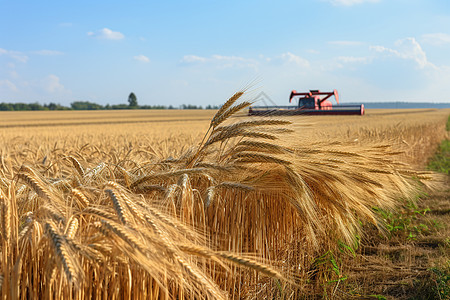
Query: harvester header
(312, 93)
(313, 102)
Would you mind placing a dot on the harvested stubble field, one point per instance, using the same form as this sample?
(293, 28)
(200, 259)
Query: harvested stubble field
(214, 204)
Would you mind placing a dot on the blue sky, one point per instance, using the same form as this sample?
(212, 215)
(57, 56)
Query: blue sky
(201, 52)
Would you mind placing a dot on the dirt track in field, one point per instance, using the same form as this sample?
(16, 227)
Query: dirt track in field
(401, 268)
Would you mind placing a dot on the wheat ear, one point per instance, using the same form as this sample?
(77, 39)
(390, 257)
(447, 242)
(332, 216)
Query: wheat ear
(226, 114)
(169, 174)
(35, 184)
(249, 263)
(116, 199)
(210, 195)
(254, 123)
(225, 135)
(62, 253)
(172, 222)
(118, 230)
(6, 216)
(82, 199)
(225, 106)
(72, 228)
(234, 258)
(235, 185)
(77, 165)
(99, 213)
(257, 146)
(249, 157)
(122, 197)
(54, 213)
(204, 282)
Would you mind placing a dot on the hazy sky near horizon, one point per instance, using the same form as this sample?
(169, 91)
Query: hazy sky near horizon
(201, 52)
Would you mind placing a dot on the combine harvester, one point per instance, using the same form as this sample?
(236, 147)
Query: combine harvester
(313, 102)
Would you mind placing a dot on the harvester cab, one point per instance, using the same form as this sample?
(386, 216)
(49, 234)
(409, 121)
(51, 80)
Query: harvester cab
(314, 99)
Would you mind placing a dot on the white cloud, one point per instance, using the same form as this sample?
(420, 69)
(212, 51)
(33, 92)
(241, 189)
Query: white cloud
(348, 63)
(292, 58)
(142, 58)
(220, 61)
(13, 74)
(106, 34)
(407, 48)
(354, 59)
(228, 58)
(5, 83)
(12, 70)
(350, 2)
(224, 61)
(47, 52)
(188, 59)
(51, 84)
(345, 43)
(313, 51)
(436, 39)
(19, 56)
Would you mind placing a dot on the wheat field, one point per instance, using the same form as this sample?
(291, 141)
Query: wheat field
(196, 204)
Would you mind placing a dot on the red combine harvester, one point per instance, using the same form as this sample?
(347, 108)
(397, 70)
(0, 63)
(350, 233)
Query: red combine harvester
(313, 102)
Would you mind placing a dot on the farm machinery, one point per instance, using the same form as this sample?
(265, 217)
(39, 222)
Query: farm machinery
(313, 102)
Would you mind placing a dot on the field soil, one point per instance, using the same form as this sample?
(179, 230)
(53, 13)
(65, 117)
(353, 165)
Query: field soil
(406, 264)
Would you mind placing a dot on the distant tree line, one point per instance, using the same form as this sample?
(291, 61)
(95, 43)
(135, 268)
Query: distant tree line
(86, 105)
(31, 106)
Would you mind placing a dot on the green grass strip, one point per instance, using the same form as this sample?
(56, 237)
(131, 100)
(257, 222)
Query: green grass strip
(441, 160)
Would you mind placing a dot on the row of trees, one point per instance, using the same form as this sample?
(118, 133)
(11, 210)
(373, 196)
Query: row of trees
(31, 106)
(86, 105)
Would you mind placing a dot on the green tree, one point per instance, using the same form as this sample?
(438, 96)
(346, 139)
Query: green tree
(132, 100)
(85, 105)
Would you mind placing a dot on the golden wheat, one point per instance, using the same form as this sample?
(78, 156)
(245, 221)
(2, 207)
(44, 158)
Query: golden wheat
(166, 215)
